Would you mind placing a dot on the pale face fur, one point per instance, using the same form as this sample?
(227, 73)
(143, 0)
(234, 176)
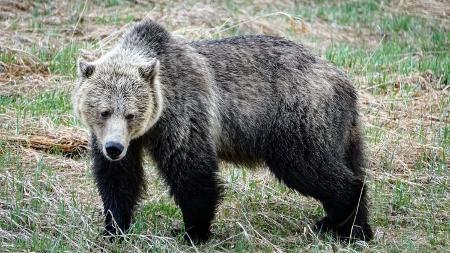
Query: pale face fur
(117, 102)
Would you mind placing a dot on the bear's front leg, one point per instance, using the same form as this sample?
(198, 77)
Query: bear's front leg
(120, 184)
(190, 172)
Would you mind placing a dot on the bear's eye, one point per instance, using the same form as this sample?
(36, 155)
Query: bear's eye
(105, 114)
(129, 116)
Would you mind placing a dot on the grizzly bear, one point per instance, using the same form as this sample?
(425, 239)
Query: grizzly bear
(245, 99)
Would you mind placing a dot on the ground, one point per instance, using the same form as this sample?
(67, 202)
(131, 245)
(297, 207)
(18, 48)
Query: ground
(397, 53)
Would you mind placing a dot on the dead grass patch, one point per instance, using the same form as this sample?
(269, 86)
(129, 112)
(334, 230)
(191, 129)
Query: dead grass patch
(68, 143)
(22, 63)
(42, 135)
(332, 33)
(10, 8)
(426, 8)
(407, 124)
(31, 85)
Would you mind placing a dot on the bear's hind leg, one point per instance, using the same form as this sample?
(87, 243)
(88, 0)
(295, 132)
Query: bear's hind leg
(342, 194)
(348, 221)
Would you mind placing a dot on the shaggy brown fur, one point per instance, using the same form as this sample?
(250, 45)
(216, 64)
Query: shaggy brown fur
(242, 99)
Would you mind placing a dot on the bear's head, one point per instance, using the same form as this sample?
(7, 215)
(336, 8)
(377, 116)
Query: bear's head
(118, 100)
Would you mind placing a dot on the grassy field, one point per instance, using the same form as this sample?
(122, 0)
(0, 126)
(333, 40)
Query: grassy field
(396, 53)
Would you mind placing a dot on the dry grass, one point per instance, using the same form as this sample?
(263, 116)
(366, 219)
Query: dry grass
(427, 8)
(62, 141)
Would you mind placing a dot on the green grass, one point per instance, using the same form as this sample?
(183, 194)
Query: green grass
(345, 13)
(48, 203)
(409, 46)
(63, 61)
(55, 105)
(59, 61)
(115, 19)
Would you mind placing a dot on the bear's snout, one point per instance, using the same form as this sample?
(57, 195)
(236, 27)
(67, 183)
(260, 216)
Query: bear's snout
(114, 149)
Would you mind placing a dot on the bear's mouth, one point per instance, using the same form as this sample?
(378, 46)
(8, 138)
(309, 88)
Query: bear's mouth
(114, 159)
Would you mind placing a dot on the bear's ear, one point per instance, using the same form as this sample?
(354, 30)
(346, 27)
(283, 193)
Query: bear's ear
(149, 70)
(85, 69)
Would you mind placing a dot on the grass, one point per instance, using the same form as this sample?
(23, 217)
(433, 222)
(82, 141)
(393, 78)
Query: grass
(398, 58)
(55, 105)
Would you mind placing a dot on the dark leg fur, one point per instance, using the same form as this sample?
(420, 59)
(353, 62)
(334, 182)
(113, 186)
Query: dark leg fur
(306, 169)
(190, 171)
(355, 161)
(354, 226)
(120, 184)
(354, 156)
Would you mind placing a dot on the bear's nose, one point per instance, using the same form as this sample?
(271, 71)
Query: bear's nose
(114, 149)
